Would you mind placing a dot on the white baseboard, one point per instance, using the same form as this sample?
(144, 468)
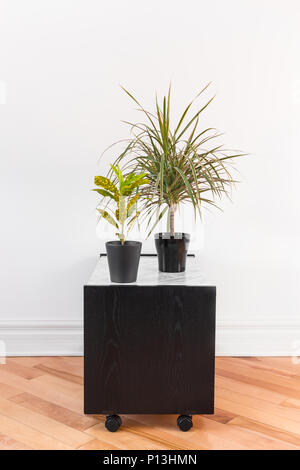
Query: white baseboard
(37, 338)
(258, 339)
(66, 339)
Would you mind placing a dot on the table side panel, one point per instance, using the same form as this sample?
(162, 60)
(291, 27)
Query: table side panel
(149, 349)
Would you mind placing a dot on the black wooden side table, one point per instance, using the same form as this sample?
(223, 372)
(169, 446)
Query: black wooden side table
(149, 347)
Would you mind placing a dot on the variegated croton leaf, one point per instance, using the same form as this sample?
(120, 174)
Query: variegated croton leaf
(120, 191)
(106, 184)
(108, 217)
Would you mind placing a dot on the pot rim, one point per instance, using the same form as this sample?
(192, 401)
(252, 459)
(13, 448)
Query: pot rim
(168, 236)
(117, 243)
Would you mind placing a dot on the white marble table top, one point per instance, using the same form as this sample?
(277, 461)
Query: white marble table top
(149, 275)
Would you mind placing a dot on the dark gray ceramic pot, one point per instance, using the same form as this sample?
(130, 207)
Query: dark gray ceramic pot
(123, 260)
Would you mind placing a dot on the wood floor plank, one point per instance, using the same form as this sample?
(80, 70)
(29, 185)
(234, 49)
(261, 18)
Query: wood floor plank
(275, 363)
(252, 379)
(95, 444)
(257, 407)
(57, 373)
(29, 436)
(8, 391)
(42, 390)
(7, 443)
(288, 373)
(133, 436)
(72, 389)
(156, 428)
(262, 405)
(240, 437)
(249, 389)
(208, 434)
(51, 410)
(221, 416)
(76, 361)
(63, 368)
(291, 403)
(138, 425)
(205, 435)
(256, 363)
(258, 415)
(21, 370)
(29, 361)
(265, 430)
(70, 365)
(265, 375)
(48, 426)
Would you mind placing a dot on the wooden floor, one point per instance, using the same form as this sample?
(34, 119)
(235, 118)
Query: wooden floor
(257, 407)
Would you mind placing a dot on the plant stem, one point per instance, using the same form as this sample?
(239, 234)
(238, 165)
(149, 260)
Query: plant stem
(172, 217)
(122, 234)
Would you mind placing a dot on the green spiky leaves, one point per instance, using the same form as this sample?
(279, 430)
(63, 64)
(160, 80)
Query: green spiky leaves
(178, 166)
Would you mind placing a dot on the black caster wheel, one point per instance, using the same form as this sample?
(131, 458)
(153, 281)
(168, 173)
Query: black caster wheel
(185, 422)
(113, 422)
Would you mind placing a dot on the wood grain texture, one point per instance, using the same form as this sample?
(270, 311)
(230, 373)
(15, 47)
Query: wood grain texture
(56, 412)
(252, 412)
(140, 349)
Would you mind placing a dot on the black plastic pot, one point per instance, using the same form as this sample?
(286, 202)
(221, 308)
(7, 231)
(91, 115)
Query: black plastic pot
(172, 251)
(123, 260)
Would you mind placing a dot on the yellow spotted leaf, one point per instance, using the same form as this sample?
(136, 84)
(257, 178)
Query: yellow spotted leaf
(108, 217)
(106, 184)
(132, 202)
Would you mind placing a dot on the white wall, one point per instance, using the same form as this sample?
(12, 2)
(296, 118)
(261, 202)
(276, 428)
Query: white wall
(61, 63)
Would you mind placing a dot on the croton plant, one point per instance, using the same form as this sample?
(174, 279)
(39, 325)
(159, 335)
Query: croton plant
(124, 194)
